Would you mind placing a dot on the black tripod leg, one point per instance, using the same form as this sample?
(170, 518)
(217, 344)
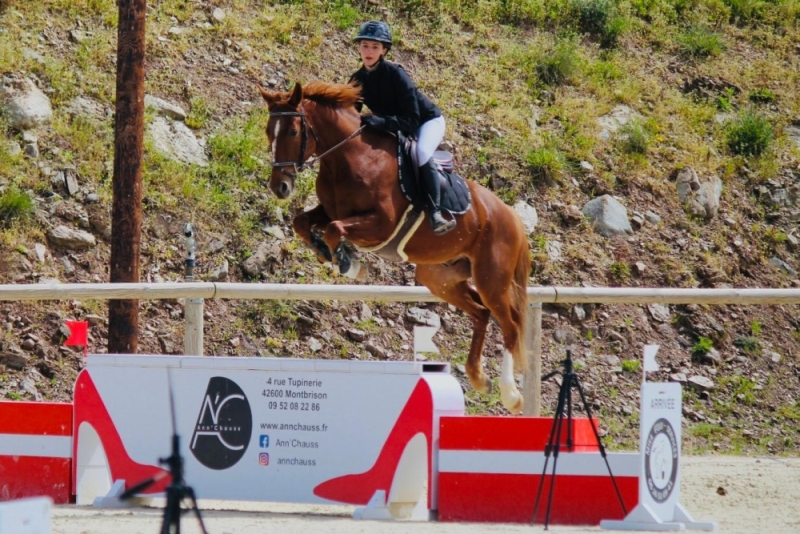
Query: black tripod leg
(172, 514)
(570, 379)
(193, 499)
(548, 448)
(600, 445)
(560, 425)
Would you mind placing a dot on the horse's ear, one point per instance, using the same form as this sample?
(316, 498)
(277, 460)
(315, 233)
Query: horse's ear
(297, 95)
(269, 96)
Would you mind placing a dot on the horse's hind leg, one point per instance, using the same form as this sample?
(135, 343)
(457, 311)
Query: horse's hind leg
(450, 284)
(494, 277)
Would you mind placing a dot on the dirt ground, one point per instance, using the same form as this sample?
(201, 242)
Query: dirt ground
(743, 495)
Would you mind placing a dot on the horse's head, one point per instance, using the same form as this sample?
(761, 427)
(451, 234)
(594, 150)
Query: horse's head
(287, 132)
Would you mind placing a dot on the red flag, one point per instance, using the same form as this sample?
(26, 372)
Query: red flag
(79, 334)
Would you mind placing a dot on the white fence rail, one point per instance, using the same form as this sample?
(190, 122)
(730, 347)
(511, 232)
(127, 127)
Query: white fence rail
(196, 292)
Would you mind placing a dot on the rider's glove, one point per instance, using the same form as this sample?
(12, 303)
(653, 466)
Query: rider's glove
(373, 121)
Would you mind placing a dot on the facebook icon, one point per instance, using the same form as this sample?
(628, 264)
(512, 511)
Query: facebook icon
(263, 441)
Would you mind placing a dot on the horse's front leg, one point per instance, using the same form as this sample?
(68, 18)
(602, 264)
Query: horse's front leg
(363, 227)
(306, 225)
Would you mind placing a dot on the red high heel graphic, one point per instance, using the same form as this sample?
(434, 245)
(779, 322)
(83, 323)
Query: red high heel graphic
(416, 417)
(89, 408)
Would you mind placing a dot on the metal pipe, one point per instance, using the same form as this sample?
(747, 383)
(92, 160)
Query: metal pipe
(193, 307)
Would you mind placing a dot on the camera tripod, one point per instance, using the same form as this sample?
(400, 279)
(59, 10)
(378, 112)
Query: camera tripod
(177, 491)
(564, 410)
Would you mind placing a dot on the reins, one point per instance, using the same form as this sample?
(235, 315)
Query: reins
(312, 160)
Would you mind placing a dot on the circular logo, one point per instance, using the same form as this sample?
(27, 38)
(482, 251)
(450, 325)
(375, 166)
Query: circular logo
(661, 460)
(224, 425)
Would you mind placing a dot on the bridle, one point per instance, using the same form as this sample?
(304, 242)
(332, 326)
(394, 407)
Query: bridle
(300, 165)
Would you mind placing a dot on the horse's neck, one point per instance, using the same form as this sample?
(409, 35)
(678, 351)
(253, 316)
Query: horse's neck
(331, 126)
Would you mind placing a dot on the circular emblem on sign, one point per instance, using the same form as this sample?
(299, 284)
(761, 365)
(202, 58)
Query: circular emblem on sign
(661, 460)
(224, 425)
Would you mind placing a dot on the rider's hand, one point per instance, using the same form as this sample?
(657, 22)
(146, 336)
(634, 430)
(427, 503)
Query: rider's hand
(373, 121)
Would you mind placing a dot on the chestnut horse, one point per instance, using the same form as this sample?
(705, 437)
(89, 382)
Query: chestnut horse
(360, 201)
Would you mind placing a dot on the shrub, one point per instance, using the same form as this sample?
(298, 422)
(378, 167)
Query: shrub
(600, 19)
(702, 346)
(15, 205)
(557, 65)
(593, 15)
(620, 271)
(762, 95)
(755, 327)
(746, 11)
(700, 42)
(748, 344)
(725, 101)
(546, 164)
(198, 114)
(631, 366)
(750, 134)
(634, 138)
(343, 14)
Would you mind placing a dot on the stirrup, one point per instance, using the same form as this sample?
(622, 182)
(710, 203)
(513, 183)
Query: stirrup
(439, 224)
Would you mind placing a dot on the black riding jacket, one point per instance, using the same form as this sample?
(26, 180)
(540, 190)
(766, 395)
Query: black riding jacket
(389, 92)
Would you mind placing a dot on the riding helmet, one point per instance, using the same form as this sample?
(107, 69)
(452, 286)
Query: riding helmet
(375, 30)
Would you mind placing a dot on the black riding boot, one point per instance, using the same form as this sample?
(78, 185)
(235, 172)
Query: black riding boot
(429, 178)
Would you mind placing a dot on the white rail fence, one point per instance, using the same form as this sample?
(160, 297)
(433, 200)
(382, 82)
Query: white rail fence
(196, 292)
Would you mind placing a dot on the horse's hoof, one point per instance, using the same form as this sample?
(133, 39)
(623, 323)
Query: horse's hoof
(344, 264)
(483, 385)
(517, 408)
(322, 249)
(343, 259)
(513, 401)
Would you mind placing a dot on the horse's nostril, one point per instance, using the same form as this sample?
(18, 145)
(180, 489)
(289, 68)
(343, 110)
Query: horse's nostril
(284, 189)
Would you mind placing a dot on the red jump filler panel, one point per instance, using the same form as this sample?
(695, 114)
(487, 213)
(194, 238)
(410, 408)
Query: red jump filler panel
(35, 450)
(490, 468)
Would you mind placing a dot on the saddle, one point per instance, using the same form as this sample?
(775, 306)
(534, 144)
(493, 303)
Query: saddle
(455, 197)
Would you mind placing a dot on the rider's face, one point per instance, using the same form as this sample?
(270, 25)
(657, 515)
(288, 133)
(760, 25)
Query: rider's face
(371, 51)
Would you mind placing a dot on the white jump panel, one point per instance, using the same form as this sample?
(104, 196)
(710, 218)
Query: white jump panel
(263, 429)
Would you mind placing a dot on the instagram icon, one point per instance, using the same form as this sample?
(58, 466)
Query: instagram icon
(263, 458)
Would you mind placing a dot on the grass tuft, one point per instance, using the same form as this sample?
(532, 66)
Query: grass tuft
(750, 134)
(15, 205)
(700, 42)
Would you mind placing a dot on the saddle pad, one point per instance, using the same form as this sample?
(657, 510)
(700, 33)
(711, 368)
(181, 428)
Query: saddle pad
(455, 197)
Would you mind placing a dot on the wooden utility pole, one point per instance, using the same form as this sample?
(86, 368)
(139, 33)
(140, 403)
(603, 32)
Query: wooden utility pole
(126, 215)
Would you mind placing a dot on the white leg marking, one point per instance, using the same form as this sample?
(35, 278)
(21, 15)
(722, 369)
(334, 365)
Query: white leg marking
(355, 269)
(509, 393)
(275, 136)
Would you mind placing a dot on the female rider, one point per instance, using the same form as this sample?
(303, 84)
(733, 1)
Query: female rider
(397, 105)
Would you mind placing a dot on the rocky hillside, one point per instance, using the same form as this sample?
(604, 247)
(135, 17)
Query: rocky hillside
(649, 143)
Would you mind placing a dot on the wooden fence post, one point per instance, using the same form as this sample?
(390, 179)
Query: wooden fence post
(532, 383)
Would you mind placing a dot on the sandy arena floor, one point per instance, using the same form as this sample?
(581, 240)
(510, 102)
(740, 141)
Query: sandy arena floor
(762, 495)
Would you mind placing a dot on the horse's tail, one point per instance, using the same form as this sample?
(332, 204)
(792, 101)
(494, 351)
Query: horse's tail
(519, 292)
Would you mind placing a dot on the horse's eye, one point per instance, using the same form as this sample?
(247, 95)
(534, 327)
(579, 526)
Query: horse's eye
(293, 132)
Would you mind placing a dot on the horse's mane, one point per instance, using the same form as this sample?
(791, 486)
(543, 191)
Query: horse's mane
(332, 94)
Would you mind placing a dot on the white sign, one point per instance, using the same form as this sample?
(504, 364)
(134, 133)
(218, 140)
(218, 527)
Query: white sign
(660, 443)
(659, 507)
(266, 429)
(423, 340)
(650, 363)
